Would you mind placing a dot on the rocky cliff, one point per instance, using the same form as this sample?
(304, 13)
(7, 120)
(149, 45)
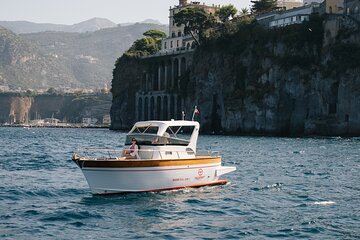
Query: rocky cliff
(70, 108)
(298, 80)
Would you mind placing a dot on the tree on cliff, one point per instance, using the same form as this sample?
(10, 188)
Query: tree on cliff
(195, 20)
(154, 33)
(226, 12)
(148, 45)
(263, 6)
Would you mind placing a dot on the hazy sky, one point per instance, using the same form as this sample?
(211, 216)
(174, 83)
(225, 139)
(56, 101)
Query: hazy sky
(74, 11)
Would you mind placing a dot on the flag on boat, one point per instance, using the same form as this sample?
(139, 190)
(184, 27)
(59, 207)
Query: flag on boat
(196, 112)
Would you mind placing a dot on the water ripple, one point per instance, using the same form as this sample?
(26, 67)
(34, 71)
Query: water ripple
(287, 188)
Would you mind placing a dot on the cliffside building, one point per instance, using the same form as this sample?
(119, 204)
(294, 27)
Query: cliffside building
(289, 4)
(294, 16)
(177, 40)
(160, 96)
(288, 17)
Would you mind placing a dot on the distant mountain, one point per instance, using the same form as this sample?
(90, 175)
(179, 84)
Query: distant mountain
(148, 21)
(22, 64)
(90, 25)
(60, 59)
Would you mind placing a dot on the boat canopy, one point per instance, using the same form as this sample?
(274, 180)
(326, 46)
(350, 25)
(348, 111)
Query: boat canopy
(183, 133)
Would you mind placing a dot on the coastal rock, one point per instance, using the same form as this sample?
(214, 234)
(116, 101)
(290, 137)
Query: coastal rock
(285, 82)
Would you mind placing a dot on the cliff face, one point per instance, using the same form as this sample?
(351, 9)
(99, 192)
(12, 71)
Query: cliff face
(297, 83)
(70, 108)
(298, 80)
(126, 81)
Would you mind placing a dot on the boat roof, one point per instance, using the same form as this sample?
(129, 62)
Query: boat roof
(167, 123)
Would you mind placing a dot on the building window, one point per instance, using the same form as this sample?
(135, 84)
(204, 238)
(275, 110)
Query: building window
(179, 34)
(173, 34)
(164, 45)
(171, 44)
(177, 43)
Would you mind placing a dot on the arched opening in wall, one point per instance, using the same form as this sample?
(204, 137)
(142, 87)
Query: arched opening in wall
(162, 76)
(146, 109)
(179, 108)
(168, 75)
(140, 109)
(172, 107)
(150, 78)
(330, 9)
(165, 110)
(183, 66)
(188, 46)
(143, 82)
(152, 108)
(176, 73)
(158, 108)
(155, 71)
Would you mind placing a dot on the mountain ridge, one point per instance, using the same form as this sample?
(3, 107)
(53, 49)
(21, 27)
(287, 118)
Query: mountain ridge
(64, 59)
(90, 25)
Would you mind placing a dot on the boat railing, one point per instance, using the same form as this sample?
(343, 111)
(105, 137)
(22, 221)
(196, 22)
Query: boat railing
(116, 154)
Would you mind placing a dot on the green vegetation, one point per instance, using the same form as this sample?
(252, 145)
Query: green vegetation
(195, 20)
(263, 6)
(153, 33)
(148, 45)
(226, 12)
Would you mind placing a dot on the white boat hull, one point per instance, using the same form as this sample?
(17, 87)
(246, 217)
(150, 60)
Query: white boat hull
(110, 180)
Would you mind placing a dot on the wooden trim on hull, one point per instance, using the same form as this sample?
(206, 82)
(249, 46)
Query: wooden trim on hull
(219, 182)
(144, 163)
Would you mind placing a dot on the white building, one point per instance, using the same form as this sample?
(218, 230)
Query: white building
(293, 16)
(177, 39)
(89, 121)
(106, 119)
(289, 4)
(306, 2)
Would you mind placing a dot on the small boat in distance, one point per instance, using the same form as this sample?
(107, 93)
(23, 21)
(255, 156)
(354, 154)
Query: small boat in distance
(166, 158)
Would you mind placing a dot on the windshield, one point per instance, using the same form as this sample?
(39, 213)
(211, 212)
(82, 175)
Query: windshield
(146, 129)
(154, 140)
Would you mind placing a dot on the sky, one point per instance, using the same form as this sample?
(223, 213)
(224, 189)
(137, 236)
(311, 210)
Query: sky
(75, 11)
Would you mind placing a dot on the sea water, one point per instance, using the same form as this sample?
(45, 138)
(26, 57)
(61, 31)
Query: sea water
(285, 188)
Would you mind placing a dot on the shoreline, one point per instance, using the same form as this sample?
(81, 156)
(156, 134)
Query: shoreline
(52, 126)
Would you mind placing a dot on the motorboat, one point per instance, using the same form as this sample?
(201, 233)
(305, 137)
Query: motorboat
(166, 159)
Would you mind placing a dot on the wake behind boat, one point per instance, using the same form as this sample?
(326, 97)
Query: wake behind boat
(158, 155)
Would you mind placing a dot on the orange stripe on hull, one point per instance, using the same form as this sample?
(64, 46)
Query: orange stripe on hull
(144, 163)
(219, 182)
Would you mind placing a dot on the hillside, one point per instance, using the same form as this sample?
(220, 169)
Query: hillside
(23, 64)
(90, 25)
(60, 59)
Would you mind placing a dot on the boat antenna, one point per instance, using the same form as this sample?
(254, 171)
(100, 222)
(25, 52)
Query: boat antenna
(196, 112)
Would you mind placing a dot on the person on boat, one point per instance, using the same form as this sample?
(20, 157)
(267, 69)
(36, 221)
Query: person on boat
(133, 151)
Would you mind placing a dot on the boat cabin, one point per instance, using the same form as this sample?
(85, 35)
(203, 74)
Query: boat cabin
(165, 139)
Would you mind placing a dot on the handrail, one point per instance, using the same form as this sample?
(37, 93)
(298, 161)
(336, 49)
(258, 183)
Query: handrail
(109, 153)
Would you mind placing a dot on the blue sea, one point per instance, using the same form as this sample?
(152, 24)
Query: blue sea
(284, 188)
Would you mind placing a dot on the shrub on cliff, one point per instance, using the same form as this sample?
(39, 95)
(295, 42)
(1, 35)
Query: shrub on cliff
(148, 45)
